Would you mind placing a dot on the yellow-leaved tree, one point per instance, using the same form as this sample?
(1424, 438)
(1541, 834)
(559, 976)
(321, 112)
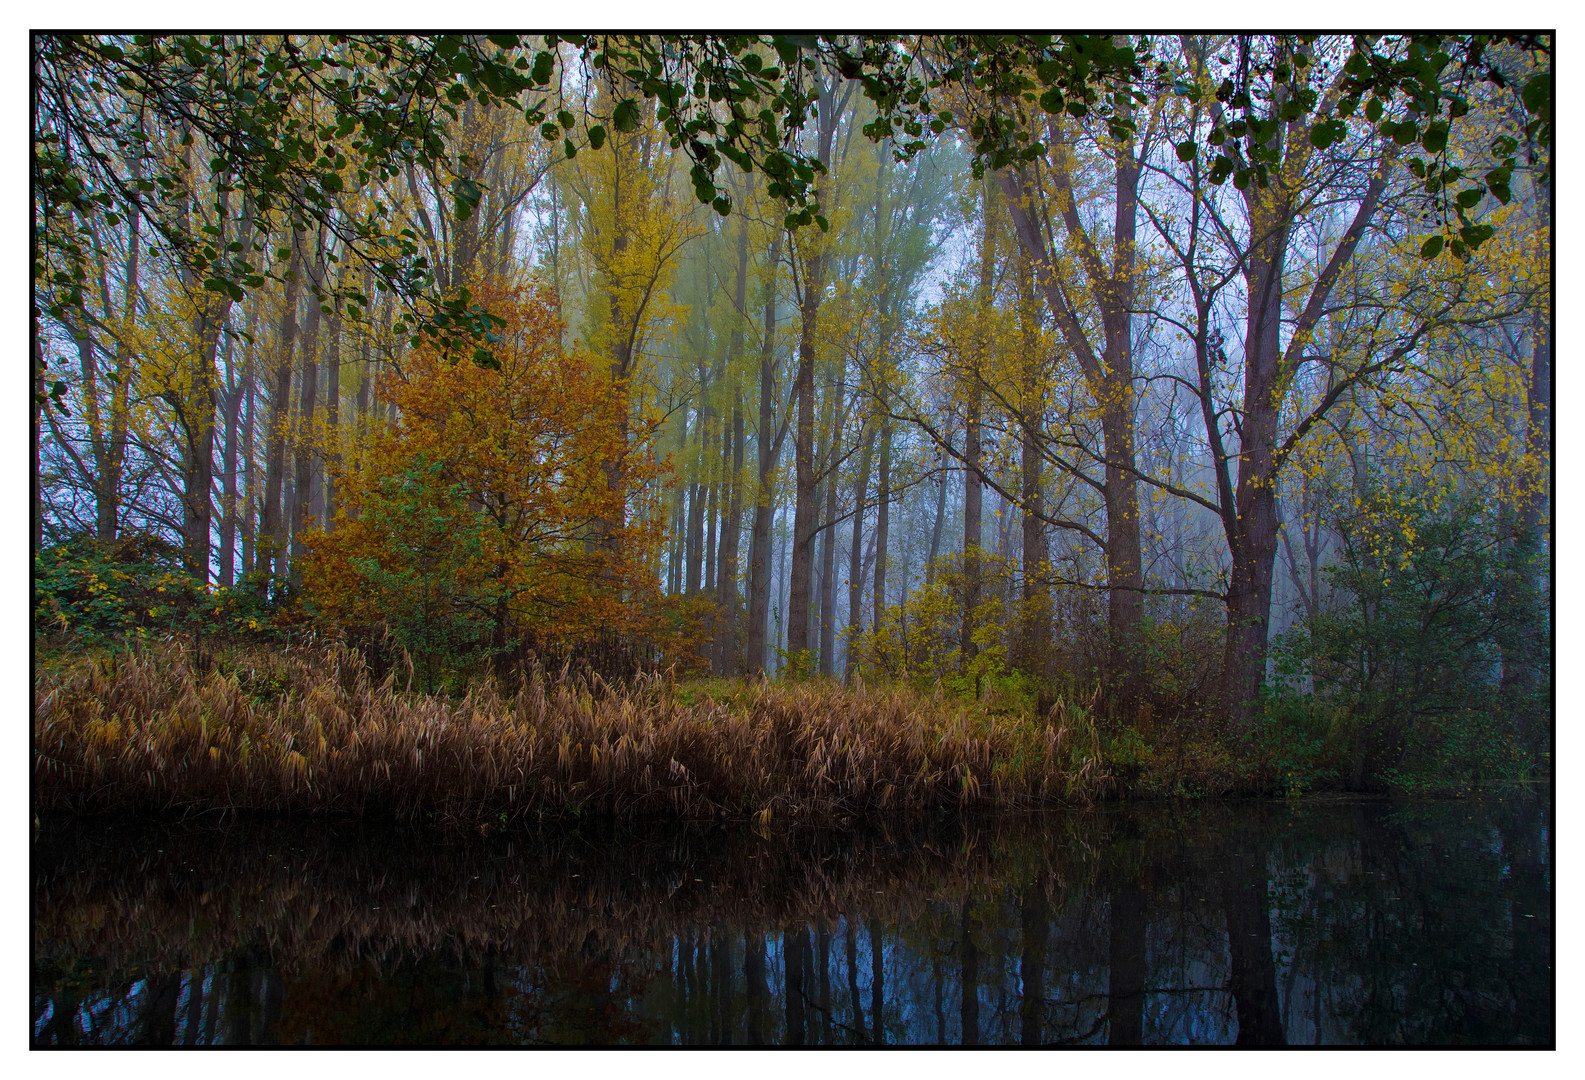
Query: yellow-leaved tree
(477, 520)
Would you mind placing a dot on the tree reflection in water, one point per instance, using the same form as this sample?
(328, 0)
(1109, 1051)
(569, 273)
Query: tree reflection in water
(1359, 923)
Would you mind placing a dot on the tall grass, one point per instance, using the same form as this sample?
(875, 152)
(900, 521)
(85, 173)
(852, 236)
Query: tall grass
(311, 730)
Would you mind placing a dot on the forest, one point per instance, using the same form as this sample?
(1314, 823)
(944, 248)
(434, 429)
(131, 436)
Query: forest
(471, 426)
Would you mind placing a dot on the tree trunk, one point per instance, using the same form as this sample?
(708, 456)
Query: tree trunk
(935, 530)
(732, 466)
(809, 311)
(883, 502)
(803, 457)
(712, 515)
(1268, 373)
(731, 537)
(625, 211)
(973, 484)
(769, 448)
(695, 558)
(855, 560)
(679, 532)
(250, 484)
(228, 471)
(198, 474)
(308, 394)
(828, 537)
(1034, 625)
(1253, 543)
(110, 446)
(1108, 376)
(272, 541)
(332, 464)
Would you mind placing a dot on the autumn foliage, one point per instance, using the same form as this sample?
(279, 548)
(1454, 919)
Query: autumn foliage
(485, 513)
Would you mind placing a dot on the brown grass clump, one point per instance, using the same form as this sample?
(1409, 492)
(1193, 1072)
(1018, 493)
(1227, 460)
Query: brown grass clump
(311, 731)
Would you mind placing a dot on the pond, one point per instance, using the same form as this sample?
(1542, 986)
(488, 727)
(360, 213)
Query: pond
(1271, 923)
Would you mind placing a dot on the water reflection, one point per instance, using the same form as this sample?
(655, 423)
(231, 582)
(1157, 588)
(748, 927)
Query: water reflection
(1215, 924)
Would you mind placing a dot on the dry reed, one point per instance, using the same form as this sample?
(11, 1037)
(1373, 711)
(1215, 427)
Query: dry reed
(311, 730)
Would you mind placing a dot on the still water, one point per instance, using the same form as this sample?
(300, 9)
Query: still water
(1365, 923)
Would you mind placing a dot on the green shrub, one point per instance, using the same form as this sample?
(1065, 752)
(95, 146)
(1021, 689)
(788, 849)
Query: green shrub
(1405, 664)
(90, 593)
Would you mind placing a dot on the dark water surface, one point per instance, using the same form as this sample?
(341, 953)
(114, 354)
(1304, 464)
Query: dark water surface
(1267, 923)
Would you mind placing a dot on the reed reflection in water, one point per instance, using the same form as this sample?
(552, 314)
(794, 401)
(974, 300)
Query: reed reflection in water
(1217, 924)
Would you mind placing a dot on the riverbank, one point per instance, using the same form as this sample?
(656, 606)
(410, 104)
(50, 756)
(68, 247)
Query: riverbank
(311, 730)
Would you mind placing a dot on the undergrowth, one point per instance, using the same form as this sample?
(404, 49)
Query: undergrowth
(311, 730)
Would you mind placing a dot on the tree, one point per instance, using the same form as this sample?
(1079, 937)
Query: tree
(811, 291)
(1291, 323)
(482, 515)
(1104, 294)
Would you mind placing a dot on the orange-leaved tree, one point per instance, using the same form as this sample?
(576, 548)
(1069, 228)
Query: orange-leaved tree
(474, 519)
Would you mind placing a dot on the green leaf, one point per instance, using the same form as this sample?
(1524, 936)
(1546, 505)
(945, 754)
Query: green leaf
(1435, 138)
(571, 150)
(1476, 235)
(625, 116)
(467, 196)
(1469, 197)
(1537, 93)
(1431, 248)
(597, 136)
(1187, 149)
(1373, 110)
(544, 63)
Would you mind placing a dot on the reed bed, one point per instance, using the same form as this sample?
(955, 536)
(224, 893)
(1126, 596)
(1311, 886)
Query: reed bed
(312, 731)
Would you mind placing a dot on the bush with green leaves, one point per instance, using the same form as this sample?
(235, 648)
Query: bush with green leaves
(1405, 664)
(427, 598)
(91, 593)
